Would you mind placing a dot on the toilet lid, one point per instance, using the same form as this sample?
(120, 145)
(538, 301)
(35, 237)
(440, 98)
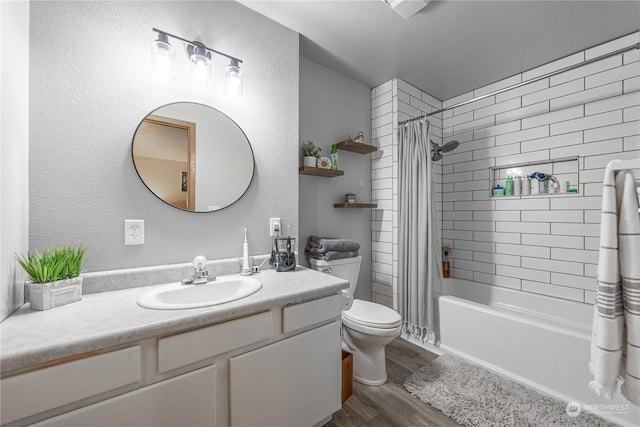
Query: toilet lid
(372, 314)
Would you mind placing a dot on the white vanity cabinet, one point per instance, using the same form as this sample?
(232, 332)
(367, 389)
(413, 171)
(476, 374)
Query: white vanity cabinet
(294, 382)
(277, 367)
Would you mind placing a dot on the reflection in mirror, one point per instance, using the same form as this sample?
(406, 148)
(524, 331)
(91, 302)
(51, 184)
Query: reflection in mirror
(193, 157)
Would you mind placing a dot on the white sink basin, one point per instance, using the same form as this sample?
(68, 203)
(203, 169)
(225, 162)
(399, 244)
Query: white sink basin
(178, 296)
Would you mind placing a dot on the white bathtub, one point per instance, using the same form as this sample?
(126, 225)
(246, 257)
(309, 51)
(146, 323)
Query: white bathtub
(539, 341)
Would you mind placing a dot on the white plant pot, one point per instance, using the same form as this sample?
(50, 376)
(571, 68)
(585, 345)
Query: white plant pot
(44, 296)
(309, 161)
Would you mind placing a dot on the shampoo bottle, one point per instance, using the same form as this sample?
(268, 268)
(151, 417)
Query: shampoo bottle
(517, 186)
(446, 270)
(334, 157)
(508, 187)
(526, 185)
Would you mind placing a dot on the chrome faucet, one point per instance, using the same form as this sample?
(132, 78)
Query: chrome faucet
(200, 275)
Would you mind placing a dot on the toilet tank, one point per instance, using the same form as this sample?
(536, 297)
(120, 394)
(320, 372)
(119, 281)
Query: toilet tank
(348, 268)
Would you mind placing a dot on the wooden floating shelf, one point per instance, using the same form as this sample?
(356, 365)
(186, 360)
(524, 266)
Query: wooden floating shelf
(355, 205)
(356, 147)
(309, 170)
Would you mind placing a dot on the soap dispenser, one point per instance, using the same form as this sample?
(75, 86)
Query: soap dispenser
(334, 156)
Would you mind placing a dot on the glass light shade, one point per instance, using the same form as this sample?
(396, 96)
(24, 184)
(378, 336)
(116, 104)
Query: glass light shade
(233, 79)
(162, 58)
(200, 68)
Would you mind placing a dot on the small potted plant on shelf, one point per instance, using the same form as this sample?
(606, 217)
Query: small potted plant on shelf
(53, 276)
(310, 154)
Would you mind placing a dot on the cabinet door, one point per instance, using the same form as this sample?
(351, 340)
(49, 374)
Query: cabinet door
(38, 391)
(186, 400)
(294, 382)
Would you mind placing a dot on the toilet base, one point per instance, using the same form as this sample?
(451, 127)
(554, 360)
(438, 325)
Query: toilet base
(369, 363)
(369, 382)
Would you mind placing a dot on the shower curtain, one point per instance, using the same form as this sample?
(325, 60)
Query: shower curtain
(419, 252)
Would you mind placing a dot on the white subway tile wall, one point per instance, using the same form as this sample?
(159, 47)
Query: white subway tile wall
(539, 244)
(543, 245)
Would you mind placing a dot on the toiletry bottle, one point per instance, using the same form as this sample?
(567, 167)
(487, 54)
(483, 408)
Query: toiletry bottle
(508, 187)
(517, 186)
(535, 184)
(526, 185)
(334, 157)
(445, 263)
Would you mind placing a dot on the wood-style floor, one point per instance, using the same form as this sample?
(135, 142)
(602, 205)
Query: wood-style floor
(390, 404)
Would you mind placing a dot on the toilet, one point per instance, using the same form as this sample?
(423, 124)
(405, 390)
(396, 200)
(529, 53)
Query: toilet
(367, 327)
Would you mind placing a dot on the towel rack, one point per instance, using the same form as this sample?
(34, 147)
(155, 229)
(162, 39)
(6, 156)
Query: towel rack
(617, 165)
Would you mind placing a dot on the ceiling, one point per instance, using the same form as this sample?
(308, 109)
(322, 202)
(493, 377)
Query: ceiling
(450, 47)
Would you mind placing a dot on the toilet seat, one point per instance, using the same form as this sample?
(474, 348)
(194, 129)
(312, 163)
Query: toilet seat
(372, 318)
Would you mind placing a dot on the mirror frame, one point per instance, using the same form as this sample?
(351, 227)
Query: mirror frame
(154, 113)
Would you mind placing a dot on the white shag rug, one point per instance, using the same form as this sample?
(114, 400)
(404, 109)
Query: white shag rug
(474, 396)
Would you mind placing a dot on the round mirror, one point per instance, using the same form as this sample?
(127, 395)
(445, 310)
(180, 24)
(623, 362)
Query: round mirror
(193, 157)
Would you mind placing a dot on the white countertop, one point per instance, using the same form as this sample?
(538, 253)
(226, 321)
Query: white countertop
(102, 320)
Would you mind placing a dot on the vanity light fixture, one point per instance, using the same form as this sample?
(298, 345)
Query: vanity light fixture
(200, 57)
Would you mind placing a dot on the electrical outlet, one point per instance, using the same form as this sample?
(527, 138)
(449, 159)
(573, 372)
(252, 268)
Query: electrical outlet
(134, 231)
(275, 227)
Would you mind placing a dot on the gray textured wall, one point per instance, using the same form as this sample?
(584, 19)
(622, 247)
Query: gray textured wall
(90, 87)
(14, 196)
(332, 106)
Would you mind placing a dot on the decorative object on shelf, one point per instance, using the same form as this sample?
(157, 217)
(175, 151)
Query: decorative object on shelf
(53, 276)
(350, 198)
(324, 163)
(310, 153)
(334, 157)
(360, 138)
(200, 57)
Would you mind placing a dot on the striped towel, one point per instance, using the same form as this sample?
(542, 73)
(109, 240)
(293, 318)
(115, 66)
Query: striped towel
(616, 317)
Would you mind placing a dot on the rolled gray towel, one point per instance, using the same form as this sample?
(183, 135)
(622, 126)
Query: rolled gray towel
(333, 255)
(325, 244)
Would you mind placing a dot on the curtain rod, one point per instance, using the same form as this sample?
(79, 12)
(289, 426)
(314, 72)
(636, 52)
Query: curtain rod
(517, 85)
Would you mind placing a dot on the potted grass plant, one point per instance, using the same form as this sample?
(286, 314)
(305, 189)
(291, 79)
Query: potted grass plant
(54, 276)
(310, 153)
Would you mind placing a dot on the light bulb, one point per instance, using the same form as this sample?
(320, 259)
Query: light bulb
(162, 57)
(200, 64)
(163, 66)
(200, 73)
(233, 79)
